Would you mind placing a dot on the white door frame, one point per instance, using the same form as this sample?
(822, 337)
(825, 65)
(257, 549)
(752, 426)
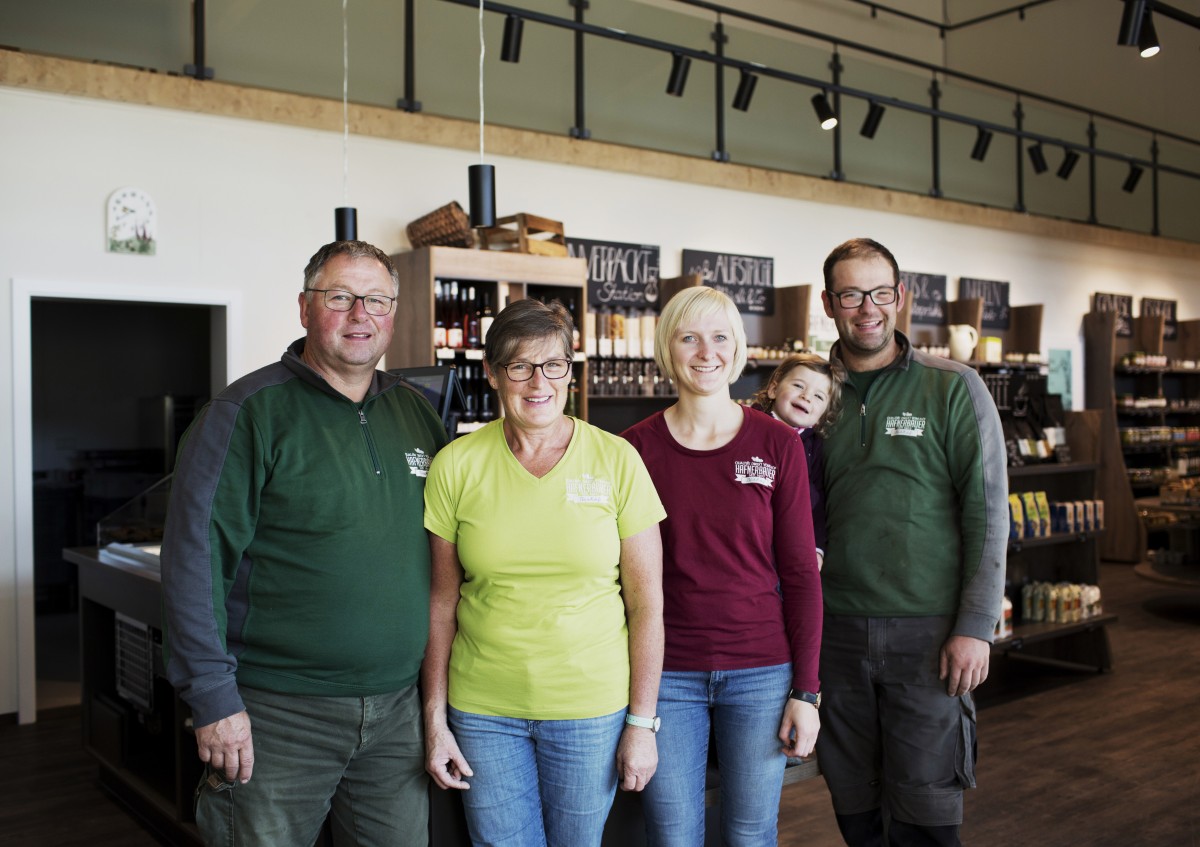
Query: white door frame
(23, 293)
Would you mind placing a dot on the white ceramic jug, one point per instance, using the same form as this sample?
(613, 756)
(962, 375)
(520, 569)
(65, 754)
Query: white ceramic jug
(963, 339)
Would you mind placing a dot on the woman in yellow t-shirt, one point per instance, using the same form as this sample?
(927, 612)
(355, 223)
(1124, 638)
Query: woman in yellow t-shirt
(545, 642)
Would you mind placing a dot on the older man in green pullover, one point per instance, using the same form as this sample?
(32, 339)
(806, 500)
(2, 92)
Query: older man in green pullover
(295, 574)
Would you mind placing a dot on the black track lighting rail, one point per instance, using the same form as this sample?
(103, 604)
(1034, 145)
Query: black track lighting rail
(718, 59)
(834, 43)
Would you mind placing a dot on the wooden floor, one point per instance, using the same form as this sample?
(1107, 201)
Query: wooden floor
(1080, 759)
(1077, 759)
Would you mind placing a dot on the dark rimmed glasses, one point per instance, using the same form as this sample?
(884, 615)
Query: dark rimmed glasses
(852, 299)
(551, 369)
(343, 301)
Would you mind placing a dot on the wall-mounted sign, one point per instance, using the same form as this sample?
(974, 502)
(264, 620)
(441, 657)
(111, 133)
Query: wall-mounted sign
(1122, 304)
(618, 274)
(1166, 308)
(748, 280)
(994, 295)
(926, 295)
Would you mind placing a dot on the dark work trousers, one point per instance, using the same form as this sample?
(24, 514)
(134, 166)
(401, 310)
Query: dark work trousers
(893, 744)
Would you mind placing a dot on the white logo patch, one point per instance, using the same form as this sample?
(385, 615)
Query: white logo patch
(588, 489)
(905, 424)
(754, 472)
(418, 462)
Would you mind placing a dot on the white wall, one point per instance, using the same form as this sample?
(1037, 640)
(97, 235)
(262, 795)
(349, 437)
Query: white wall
(242, 206)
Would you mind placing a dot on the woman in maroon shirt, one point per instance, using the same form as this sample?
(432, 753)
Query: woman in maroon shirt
(741, 588)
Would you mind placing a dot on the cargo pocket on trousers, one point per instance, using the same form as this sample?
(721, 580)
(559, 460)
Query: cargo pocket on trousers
(968, 746)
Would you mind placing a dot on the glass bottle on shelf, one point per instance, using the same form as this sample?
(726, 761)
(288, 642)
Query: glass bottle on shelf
(575, 340)
(589, 333)
(454, 321)
(471, 329)
(620, 347)
(485, 318)
(633, 333)
(439, 315)
(649, 322)
(604, 344)
(467, 375)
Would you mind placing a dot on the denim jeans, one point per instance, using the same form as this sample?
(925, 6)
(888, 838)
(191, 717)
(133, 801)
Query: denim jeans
(538, 783)
(743, 709)
(363, 758)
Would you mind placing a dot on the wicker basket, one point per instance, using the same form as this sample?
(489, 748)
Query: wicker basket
(447, 226)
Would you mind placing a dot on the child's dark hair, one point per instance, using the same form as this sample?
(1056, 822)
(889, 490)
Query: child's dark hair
(814, 362)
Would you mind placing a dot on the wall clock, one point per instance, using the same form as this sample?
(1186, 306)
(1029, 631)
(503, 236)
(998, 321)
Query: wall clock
(132, 222)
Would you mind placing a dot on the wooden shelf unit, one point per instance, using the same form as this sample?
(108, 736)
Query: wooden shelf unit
(1064, 557)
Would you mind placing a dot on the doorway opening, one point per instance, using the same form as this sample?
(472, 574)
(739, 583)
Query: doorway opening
(91, 369)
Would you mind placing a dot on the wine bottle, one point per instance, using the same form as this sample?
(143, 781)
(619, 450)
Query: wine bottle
(439, 315)
(472, 320)
(470, 413)
(454, 322)
(485, 319)
(575, 342)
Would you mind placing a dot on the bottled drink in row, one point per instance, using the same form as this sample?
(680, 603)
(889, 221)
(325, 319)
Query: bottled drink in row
(461, 317)
(480, 401)
(620, 332)
(627, 378)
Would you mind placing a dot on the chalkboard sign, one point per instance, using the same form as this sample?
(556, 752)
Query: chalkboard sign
(748, 280)
(1122, 304)
(926, 295)
(620, 274)
(1166, 308)
(994, 296)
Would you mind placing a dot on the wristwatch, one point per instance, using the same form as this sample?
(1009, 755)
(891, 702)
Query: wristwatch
(806, 697)
(651, 724)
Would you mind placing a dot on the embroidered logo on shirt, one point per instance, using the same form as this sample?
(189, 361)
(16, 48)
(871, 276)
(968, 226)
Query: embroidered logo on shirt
(588, 489)
(754, 472)
(905, 424)
(418, 462)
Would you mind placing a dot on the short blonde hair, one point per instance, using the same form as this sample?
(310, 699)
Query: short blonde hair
(687, 306)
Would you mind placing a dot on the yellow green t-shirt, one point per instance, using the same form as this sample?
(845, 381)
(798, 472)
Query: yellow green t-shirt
(541, 624)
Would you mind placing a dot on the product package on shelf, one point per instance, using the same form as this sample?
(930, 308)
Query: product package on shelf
(1059, 602)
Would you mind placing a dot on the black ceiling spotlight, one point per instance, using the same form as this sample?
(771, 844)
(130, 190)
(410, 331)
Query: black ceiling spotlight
(745, 90)
(871, 122)
(825, 113)
(680, 65)
(510, 47)
(1148, 39)
(982, 139)
(1070, 157)
(1131, 23)
(1131, 181)
(1037, 157)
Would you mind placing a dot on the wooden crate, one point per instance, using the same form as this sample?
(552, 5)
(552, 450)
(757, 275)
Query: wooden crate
(525, 233)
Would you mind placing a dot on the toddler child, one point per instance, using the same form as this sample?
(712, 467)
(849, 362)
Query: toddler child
(805, 392)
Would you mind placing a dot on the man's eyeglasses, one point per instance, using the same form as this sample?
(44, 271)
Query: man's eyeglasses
(852, 299)
(343, 301)
(551, 369)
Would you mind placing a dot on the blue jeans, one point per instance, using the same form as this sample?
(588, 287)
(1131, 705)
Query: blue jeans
(360, 758)
(538, 783)
(743, 708)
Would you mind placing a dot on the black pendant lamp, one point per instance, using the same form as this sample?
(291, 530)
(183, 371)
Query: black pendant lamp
(481, 178)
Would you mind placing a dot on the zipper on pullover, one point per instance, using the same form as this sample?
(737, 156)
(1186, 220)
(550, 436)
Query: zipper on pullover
(366, 431)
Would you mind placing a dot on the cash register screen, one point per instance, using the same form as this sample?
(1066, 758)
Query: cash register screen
(441, 388)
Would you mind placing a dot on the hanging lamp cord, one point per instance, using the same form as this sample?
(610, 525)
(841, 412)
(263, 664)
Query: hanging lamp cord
(345, 106)
(482, 50)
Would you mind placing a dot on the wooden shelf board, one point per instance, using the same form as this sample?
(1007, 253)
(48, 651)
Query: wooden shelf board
(1034, 632)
